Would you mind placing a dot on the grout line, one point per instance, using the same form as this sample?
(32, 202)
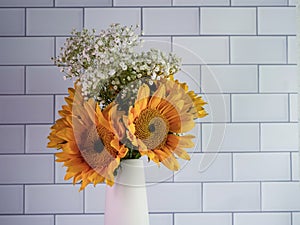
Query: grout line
(292, 222)
(173, 218)
(291, 166)
(203, 93)
(25, 134)
(256, 22)
(287, 50)
(25, 21)
(164, 35)
(24, 198)
(199, 12)
(258, 79)
(54, 3)
(259, 138)
(289, 108)
(55, 53)
(142, 21)
(54, 169)
(229, 50)
(152, 6)
(231, 108)
(54, 219)
(83, 199)
(232, 218)
(232, 167)
(201, 141)
(54, 108)
(260, 196)
(83, 18)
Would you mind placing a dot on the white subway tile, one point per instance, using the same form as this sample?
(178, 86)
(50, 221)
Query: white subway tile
(276, 20)
(292, 2)
(249, 50)
(278, 79)
(59, 102)
(228, 21)
(85, 3)
(169, 197)
(262, 218)
(34, 50)
(202, 50)
(223, 137)
(258, 2)
(174, 24)
(26, 169)
(259, 107)
(201, 2)
(231, 197)
(218, 108)
(79, 219)
(155, 173)
(164, 44)
(36, 139)
(95, 198)
(191, 76)
(206, 167)
(45, 21)
(11, 197)
(46, 80)
(12, 138)
(295, 166)
(294, 107)
(26, 3)
(229, 79)
(27, 220)
(281, 196)
(279, 137)
(292, 50)
(125, 16)
(161, 219)
(142, 2)
(12, 80)
(26, 109)
(203, 218)
(261, 166)
(53, 199)
(16, 24)
(296, 218)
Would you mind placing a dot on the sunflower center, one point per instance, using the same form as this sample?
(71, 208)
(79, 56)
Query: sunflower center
(105, 138)
(152, 128)
(98, 146)
(96, 150)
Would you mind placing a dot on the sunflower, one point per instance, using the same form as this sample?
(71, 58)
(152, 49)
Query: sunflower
(198, 109)
(156, 121)
(89, 140)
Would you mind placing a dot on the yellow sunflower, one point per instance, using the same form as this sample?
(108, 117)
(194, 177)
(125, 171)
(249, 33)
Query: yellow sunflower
(156, 121)
(89, 139)
(198, 110)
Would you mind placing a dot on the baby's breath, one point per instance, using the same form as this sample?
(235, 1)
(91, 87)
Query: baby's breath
(106, 63)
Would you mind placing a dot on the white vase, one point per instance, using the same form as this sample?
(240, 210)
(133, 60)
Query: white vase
(126, 201)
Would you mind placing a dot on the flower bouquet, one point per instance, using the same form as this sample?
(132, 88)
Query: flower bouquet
(125, 104)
